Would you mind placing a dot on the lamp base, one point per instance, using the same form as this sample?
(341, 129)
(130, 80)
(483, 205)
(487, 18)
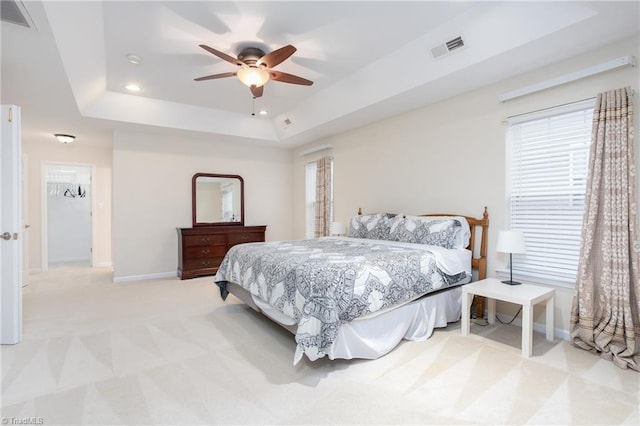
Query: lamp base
(511, 282)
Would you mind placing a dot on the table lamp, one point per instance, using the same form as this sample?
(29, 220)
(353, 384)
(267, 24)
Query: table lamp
(511, 242)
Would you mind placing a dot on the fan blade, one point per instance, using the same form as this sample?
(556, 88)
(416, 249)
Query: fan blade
(221, 55)
(276, 57)
(283, 77)
(257, 91)
(214, 76)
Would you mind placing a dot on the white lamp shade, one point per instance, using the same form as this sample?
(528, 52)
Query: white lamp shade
(511, 242)
(338, 228)
(252, 76)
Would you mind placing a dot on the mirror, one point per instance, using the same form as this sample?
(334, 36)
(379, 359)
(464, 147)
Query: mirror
(217, 199)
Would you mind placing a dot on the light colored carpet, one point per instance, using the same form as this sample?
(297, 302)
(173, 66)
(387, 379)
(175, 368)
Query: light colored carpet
(171, 352)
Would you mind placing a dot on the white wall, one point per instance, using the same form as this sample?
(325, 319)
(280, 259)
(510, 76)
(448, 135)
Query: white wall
(450, 157)
(69, 213)
(152, 194)
(69, 226)
(44, 149)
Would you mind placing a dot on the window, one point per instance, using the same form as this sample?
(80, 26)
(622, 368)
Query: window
(547, 163)
(311, 170)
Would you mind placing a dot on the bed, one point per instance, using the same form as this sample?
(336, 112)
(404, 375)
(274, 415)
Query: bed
(392, 277)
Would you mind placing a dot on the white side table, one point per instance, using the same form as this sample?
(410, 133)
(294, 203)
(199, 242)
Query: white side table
(526, 295)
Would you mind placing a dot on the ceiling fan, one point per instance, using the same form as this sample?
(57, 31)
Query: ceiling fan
(256, 67)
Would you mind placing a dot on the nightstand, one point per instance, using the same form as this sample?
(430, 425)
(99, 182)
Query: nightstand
(526, 295)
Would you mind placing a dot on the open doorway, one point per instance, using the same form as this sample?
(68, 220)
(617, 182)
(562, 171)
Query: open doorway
(67, 226)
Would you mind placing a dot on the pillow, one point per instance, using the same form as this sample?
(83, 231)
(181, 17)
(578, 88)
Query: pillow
(462, 234)
(371, 226)
(425, 230)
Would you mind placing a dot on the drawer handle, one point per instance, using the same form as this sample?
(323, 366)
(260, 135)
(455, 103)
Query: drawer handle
(205, 251)
(205, 263)
(204, 239)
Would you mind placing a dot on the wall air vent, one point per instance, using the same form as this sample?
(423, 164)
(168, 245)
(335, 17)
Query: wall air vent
(447, 47)
(13, 11)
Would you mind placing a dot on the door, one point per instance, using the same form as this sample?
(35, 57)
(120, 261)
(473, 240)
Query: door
(25, 222)
(67, 212)
(10, 226)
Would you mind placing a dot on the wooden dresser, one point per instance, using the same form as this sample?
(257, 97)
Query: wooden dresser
(202, 248)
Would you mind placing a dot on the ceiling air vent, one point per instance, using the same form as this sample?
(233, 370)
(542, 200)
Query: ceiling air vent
(447, 47)
(454, 44)
(13, 11)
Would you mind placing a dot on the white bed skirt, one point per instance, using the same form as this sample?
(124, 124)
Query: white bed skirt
(374, 336)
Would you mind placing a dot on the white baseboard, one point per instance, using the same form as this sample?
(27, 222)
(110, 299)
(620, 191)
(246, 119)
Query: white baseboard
(557, 332)
(125, 279)
(70, 260)
(540, 328)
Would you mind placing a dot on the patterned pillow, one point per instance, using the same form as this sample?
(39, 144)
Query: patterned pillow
(462, 234)
(425, 230)
(371, 226)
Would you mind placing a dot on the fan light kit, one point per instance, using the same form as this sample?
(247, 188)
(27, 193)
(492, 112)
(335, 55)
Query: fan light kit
(256, 67)
(253, 76)
(65, 139)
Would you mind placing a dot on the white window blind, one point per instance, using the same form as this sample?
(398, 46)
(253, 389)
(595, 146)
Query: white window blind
(310, 198)
(547, 173)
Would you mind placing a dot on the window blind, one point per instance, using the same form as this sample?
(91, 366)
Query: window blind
(310, 196)
(547, 174)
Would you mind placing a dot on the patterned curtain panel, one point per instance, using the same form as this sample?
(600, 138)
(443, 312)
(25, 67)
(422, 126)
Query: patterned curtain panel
(323, 197)
(605, 314)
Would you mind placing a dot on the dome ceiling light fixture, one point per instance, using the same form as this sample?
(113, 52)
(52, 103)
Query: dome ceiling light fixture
(256, 67)
(64, 138)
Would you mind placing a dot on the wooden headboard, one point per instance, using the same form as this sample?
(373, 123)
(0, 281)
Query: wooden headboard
(479, 254)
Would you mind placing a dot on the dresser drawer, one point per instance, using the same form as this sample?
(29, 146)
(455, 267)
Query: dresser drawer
(245, 237)
(201, 249)
(199, 240)
(211, 262)
(204, 251)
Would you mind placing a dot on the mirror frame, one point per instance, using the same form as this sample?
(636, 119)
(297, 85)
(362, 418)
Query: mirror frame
(193, 200)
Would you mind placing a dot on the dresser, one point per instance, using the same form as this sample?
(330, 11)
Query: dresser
(202, 248)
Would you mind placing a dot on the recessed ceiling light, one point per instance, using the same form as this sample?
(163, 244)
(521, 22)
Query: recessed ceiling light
(132, 87)
(263, 112)
(134, 59)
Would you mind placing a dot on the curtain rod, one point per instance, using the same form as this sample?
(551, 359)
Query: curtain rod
(557, 106)
(315, 161)
(547, 108)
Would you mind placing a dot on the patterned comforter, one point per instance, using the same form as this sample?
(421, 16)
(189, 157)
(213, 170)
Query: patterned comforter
(322, 283)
